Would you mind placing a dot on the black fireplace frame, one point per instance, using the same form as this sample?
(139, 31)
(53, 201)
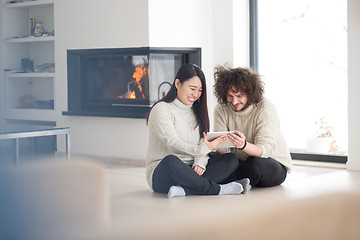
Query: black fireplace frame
(75, 59)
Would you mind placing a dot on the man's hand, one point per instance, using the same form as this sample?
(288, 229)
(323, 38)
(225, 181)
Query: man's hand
(237, 138)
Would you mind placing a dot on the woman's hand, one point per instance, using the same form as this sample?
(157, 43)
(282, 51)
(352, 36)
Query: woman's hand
(199, 170)
(214, 143)
(238, 139)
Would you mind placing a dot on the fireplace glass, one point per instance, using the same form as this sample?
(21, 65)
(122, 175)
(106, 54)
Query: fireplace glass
(122, 82)
(122, 79)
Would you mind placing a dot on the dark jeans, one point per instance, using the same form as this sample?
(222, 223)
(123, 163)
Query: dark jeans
(172, 171)
(262, 172)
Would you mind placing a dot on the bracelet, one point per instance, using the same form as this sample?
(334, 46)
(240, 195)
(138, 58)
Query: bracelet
(243, 146)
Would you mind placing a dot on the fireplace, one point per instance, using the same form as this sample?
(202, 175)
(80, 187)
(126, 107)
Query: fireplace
(122, 82)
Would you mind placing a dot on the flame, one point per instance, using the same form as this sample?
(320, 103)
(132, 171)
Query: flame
(138, 74)
(132, 95)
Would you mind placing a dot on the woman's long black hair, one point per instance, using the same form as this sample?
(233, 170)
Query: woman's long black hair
(199, 107)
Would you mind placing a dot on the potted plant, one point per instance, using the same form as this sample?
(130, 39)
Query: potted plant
(324, 141)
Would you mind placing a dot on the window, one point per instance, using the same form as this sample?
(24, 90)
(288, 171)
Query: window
(302, 58)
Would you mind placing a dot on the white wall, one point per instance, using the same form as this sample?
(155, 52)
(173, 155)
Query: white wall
(223, 35)
(128, 23)
(231, 32)
(241, 33)
(230, 37)
(83, 24)
(354, 84)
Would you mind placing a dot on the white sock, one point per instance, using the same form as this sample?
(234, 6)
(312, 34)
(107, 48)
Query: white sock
(230, 188)
(176, 191)
(245, 182)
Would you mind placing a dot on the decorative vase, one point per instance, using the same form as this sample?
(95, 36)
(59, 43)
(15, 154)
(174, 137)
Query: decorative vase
(319, 144)
(39, 29)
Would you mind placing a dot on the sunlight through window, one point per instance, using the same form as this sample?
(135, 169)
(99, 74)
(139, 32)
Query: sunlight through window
(303, 62)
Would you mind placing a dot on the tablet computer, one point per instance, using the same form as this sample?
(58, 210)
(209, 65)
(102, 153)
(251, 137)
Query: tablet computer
(226, 144)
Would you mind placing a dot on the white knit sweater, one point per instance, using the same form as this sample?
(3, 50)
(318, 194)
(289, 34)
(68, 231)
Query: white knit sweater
(173, 130)
(261, 126)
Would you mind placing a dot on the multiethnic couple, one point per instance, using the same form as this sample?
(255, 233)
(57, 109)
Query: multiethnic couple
(181, 160)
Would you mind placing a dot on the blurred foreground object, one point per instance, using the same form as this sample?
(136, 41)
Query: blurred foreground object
(56, 200)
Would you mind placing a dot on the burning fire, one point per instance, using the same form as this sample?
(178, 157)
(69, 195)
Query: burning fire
(132, 95)
(138, 74)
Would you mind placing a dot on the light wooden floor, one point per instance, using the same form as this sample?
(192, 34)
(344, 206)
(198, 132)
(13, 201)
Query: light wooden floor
(139, 213)
(134, 205)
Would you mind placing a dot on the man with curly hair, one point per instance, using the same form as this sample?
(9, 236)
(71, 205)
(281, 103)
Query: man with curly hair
(263, 154)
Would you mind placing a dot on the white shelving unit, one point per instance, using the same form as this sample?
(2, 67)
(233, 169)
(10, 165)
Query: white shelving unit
(30, 74)
(30, 39)
(28, 4)
(24, 90)
(30, 114)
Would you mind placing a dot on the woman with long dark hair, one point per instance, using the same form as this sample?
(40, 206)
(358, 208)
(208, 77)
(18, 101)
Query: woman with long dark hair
(177, 161)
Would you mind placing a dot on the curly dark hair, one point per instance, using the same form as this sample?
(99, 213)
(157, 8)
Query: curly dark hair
(244, 80)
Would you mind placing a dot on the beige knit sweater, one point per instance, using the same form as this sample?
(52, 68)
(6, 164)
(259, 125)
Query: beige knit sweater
(261, 126)
(173, 129)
